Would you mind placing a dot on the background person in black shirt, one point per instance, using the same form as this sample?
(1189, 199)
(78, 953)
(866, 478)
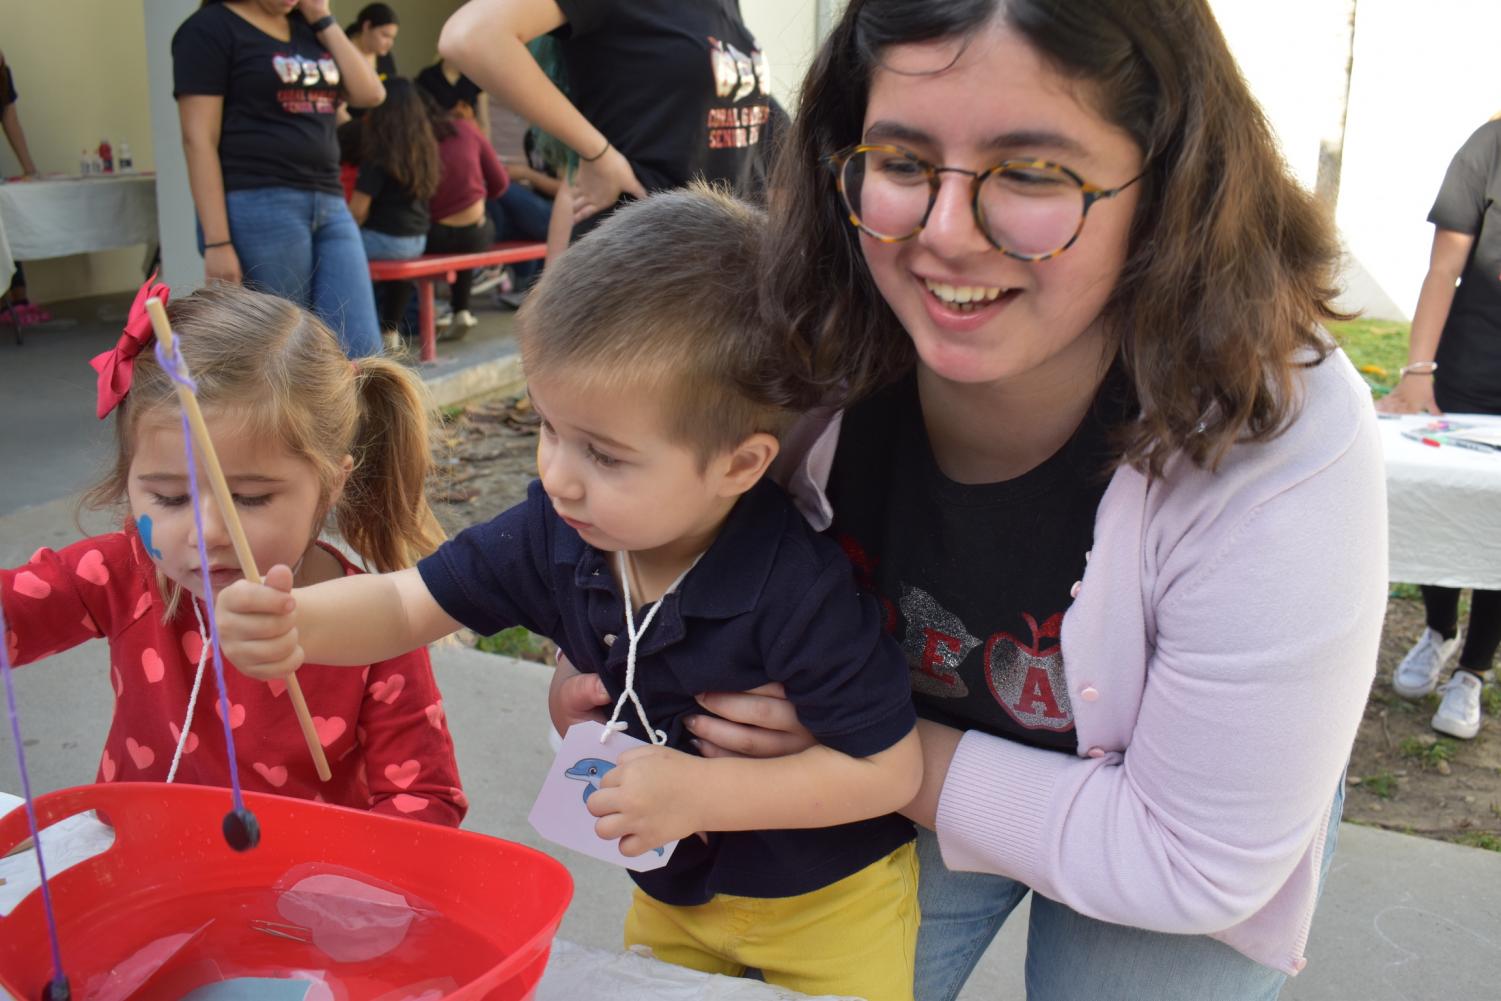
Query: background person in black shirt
(257, 90)
(660, 91)
(1454, 364)
(374, 34)
(399, 172)
(15, 308)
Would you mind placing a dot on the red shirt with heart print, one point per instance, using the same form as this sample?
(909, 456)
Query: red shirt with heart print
(382, 726)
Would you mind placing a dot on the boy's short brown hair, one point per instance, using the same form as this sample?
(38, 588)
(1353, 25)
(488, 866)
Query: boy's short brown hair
(663, 297)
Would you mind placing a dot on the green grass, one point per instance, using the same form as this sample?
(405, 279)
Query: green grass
(1383, 786)
(1480, 839)
(1427, 752)
(1490, 701)
(1377, 347)
(515, 642)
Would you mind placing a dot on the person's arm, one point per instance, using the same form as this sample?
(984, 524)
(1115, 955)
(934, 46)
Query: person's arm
(524, 173)
(270, 630)
(10, 119)
(201, 117)
(359, 206)
(1446, 263)
(407, 749)
(51, 607)
(486, 40)
(655, 794)
(361, 83)
(560, 222)
(482, 114)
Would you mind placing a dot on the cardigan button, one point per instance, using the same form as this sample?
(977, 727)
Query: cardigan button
(1302, 962)
(1096, 752)
(1087, 554)
(1073, 592)
(1089, 693)
(609, 639)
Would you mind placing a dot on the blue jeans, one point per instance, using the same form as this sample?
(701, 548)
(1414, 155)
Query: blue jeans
(1071, 957)
(392, 298)
(304, 246)
(521, 214)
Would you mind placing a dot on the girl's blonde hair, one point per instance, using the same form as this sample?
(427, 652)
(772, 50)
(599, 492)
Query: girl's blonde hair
(277, 368)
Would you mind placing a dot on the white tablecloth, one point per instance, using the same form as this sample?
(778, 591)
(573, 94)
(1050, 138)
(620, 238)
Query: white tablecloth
(74, 215)
(1445, 508)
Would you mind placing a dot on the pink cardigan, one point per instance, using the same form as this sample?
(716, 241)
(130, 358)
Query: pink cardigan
(1218, 658)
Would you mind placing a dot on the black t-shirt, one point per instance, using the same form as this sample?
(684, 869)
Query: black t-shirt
(973, 579)
(7, 86)
(1469, 353)
(678, 86)
(394, 210)
(432, 80)
(279, 99)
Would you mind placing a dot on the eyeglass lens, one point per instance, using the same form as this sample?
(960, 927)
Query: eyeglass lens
(1025, 210)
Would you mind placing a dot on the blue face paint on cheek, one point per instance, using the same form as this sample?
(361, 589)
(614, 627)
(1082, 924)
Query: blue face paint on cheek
(143, 525)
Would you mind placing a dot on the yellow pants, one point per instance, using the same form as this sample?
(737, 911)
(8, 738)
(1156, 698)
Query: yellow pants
(857, 936)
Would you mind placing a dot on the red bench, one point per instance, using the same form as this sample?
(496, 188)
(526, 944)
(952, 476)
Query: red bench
(428, 268)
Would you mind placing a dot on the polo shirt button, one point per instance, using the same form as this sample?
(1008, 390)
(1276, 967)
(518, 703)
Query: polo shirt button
(1089, 693)
(609, 639)
(1073, 592)
(1302, 962)
(1096, 752)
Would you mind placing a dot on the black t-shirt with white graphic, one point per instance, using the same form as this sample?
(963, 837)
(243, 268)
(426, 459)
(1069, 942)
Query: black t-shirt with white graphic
(1468, 379)
(279, 99)
(678, 86)
(973, 579)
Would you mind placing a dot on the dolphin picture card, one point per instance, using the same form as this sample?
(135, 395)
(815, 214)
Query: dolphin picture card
(559, 813)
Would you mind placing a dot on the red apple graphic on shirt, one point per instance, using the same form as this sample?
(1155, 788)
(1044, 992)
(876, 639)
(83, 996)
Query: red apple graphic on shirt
(936, 644)
(1027, 680)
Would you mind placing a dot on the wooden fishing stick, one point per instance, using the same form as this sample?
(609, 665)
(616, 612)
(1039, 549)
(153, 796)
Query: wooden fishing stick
(225, 499)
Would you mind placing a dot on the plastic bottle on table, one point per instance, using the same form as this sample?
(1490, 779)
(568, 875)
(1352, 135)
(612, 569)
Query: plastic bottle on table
(125, 163)
(106, 156)
(86, 163)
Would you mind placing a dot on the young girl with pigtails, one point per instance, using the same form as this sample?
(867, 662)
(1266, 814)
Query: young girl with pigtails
(305, 437)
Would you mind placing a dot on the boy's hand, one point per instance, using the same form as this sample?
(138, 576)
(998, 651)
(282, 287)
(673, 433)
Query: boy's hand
(257, 625)
(647, 799)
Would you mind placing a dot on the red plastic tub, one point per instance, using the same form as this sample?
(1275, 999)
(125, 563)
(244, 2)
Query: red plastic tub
(364, 907)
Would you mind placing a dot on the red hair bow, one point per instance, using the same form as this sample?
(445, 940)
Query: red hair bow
(116, 367)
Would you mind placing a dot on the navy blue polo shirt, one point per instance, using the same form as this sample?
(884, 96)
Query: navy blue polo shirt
(771, 600)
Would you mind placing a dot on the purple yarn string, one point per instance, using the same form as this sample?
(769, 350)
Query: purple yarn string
(36, 835)
(177, 369)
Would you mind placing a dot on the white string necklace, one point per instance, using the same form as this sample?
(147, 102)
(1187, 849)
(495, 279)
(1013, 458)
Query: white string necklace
(187, 722)
(634, 635)
(203, 651)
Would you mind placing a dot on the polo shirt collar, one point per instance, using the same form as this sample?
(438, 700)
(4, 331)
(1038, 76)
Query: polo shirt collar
(728, 579)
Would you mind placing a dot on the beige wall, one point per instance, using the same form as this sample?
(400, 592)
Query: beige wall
(785, 30)
(421, 20)
(71, 96)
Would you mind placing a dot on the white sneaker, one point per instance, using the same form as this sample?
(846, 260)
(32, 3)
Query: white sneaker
(1418, 673)
(1459, 714)
(465, 319)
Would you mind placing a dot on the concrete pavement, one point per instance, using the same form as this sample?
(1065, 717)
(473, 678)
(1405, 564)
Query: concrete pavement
(1402, 918)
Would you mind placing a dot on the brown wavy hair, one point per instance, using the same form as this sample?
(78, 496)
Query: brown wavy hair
(397, 136)
(1231, 268)
(281, 372)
